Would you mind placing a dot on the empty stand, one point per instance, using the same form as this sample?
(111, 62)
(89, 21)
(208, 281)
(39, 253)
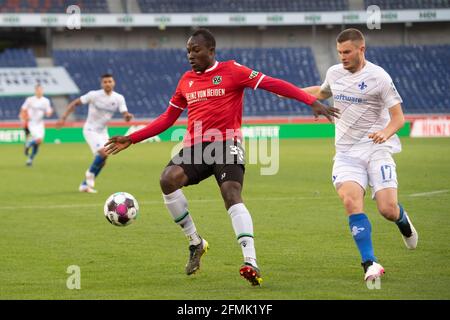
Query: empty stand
(148, 78)
(157, 6)
(52, 6)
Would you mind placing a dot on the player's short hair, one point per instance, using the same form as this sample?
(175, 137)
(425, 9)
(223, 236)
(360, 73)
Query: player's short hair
(351, 34)
(37, 85)
(207, 35)
(107, 75)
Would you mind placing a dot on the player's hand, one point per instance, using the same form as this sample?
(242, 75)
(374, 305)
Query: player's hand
(379, 137)
(117, 144)
(128, 116)
(60, 123)
(328, 112)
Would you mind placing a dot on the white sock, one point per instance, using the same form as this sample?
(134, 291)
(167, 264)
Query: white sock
(177, 205)
(243, 228)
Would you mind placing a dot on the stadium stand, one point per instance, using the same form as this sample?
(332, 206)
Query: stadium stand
(148, 78)
(17, 58)
(9, 106)
(156, 6)
(420, 73)
(52, 6)
(409, 4)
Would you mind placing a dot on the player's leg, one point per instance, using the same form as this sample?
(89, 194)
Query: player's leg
(96, 166)
(173, 178)
(241, 220)
(36, 138)
(383, 179)
(350, 180)
(27, 137)
(96, 142)
(229, 172)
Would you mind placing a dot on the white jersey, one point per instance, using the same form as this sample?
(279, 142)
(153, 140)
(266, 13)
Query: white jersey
(102, 108)
(364, 99)
(36, 109)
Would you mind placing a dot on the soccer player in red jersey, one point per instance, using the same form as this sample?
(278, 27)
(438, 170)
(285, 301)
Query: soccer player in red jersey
(213, 94)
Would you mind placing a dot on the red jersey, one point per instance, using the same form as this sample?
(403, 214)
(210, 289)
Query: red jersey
(214, 99)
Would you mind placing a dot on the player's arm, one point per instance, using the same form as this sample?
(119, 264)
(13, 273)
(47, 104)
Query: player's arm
(23, 115)
(123, 109)
(317, 92)
(49, 110)
(288, 90)
(70, 108)
(160, 124)
(396, 123)
(127, 116)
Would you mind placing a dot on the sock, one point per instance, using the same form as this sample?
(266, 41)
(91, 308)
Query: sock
(243, 228)
(402, 223)
(177, 205)
(361, 230)
(34, 150)
(97, 164)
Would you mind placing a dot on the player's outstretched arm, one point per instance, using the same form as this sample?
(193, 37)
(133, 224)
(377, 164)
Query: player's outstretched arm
(288, 90)
(160, 124)
(397, 122)
(70, 108)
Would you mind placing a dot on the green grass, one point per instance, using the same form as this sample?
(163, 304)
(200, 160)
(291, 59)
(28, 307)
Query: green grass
(304, 247)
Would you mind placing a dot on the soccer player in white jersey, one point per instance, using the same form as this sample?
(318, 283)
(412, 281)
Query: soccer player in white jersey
(32, 114)
(102, 106)
(371, 114)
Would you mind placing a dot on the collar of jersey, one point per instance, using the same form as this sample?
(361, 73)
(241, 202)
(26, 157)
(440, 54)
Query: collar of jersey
(210, 69)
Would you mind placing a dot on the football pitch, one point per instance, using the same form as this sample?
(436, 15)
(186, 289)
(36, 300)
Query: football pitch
(302, 238)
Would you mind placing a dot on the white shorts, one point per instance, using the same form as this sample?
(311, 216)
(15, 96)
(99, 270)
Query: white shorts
(95, 139)
(37, 131)
(378, 171)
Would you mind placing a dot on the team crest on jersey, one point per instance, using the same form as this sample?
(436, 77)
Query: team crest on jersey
(362, 85)
(217, 80)
(191, 83)
(254, 74)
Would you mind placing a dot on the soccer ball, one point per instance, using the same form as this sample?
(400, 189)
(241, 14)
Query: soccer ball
(121, 209)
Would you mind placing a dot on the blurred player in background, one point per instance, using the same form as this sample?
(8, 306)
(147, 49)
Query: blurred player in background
(213, 94)
(32, 114)
(103, 104)
(371, 114)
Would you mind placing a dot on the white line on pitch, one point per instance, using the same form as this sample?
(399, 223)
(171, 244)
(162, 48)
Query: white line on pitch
(424, 194)
(91, 205)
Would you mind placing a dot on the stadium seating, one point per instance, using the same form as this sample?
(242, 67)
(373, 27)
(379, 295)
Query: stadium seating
(157, 6)
(409, 4)
(148, 78)
(52, 6)
(420, 73)
(17, 58)
(9, 107)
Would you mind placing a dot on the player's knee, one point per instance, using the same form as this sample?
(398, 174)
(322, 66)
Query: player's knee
(389, 210)
(351, 204)
(231, 193)
(171, 179)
